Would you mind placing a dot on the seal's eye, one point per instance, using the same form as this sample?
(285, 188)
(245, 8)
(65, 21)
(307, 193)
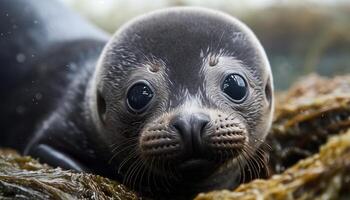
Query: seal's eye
(138, 97)
(235, 87)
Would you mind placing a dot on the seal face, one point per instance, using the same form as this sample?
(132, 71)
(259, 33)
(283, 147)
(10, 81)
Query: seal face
(178, 102)
(182, 97)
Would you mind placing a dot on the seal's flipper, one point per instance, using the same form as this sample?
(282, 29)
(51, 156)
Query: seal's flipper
(55, 158)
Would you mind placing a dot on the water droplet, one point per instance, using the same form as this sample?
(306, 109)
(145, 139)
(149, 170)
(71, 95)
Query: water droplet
(20, 57)
(20, 109)
(38, 96)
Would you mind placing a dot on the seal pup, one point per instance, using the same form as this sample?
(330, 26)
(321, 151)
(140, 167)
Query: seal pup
(177, 103)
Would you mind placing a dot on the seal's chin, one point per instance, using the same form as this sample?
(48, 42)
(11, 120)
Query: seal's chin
(194, 169)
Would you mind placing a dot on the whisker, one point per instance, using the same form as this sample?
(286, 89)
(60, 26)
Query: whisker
(150, 171)
(144, 170)
(154, 175)
(255, 162)
(121, 149)
(128, 173)
(241, 168)
(130, 156)
(258, 155)
(126, 140)
(138, 168)
(247, 164)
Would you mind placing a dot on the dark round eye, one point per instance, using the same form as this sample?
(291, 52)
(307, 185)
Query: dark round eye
(235, 87)
(138, 97)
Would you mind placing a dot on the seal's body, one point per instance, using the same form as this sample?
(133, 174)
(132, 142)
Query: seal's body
(176, 103)
(48, 55)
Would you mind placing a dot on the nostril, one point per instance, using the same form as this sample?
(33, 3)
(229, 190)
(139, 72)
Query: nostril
(182, 125)
(199, 122)
(190, 127)
(190, 124)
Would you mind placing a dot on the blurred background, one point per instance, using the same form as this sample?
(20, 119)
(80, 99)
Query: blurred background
(300, 37)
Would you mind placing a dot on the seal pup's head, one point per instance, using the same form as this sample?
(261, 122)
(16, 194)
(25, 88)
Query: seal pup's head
(182, 96)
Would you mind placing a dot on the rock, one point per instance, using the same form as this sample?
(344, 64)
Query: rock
(325, 175)
(311, 111)
(22, 177)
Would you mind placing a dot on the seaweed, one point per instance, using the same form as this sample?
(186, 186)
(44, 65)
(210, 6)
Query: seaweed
(311, 111)
(325, 175)
(22, 177)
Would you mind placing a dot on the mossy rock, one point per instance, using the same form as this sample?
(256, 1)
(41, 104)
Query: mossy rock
(25, 178)
(325, 175)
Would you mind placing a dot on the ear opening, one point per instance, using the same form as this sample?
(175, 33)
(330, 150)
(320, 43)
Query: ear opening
(268, 92)
(101, 107)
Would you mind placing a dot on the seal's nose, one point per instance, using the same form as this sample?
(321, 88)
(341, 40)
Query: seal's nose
(190, 127)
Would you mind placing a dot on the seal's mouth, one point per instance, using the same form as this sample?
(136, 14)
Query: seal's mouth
(197, 168)
(193, 164)
(194, 145)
